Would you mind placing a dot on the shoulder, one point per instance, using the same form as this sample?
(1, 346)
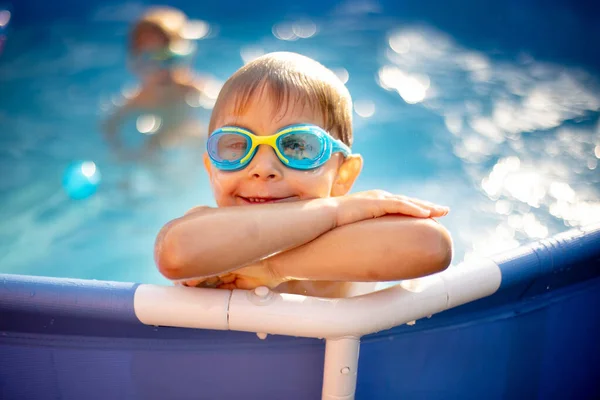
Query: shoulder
(192, 86)
(189, 81)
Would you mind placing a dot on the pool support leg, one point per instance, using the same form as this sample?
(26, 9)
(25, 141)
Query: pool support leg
(340, 368)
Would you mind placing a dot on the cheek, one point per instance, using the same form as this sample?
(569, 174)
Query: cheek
(223, 184)
(314, 183)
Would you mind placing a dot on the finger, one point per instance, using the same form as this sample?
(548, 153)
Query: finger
(423, 203)
(228, 278)
(406, 207)
(191, 282)
(212, 282)
(440, 212)
(435, 209)
(228, 286)
(248, 283)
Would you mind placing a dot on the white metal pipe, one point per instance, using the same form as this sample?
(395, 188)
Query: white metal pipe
(182, 307)
(295, 315)
(341, 368)
(262, 310)
(471, 281)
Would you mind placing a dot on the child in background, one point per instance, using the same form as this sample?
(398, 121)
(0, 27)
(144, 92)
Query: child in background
(281, 166)
(161, 58)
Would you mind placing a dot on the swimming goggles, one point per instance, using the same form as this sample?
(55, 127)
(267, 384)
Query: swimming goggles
(300, 146)
(161, 60)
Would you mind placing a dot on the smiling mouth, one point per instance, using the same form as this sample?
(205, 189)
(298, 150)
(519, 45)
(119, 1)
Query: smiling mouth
(267, 200)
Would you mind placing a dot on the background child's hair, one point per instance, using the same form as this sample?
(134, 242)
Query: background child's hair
(166, 21)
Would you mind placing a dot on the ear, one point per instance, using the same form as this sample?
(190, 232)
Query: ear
(347, 174)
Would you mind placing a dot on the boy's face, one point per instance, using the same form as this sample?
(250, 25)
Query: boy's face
(150, 40)
(266, 178)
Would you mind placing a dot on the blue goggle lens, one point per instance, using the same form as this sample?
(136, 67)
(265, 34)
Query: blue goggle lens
(301, 146)
(230, 147)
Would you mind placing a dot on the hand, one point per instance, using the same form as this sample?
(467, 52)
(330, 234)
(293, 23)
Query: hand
(211, 282)
(248, 278)
(251, 277)
(377, 203)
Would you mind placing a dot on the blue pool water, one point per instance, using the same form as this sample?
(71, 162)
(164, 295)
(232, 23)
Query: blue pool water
(491, 109)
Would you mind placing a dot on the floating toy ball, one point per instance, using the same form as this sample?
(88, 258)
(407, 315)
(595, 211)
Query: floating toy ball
(80, 179)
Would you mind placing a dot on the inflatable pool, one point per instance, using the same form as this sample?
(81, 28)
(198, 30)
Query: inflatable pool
(522, 324)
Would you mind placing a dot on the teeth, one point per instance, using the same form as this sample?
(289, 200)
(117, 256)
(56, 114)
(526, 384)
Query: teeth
(254, 200)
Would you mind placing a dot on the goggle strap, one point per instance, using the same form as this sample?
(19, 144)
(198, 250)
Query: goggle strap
(340, 146)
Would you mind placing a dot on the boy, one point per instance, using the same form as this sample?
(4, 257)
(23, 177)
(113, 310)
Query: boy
(280, 167)
(161, 57)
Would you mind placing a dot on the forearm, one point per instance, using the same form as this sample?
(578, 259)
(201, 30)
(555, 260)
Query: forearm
(215, 241)
(382, 249)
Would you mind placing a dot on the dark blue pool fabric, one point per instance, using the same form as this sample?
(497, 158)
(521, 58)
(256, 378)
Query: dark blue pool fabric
(537, 337)
(559, 255)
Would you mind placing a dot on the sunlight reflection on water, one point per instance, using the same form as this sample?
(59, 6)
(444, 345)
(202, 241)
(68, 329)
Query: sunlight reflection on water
(512, 143)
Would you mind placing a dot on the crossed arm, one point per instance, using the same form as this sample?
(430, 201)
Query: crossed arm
(358, 238)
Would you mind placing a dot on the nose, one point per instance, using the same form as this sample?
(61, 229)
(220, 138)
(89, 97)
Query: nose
(265, 165)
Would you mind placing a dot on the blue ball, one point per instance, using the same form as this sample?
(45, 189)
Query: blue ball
(80, 179)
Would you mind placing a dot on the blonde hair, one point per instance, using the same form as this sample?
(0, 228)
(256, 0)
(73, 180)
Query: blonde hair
(166, 21)
(292, 79)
